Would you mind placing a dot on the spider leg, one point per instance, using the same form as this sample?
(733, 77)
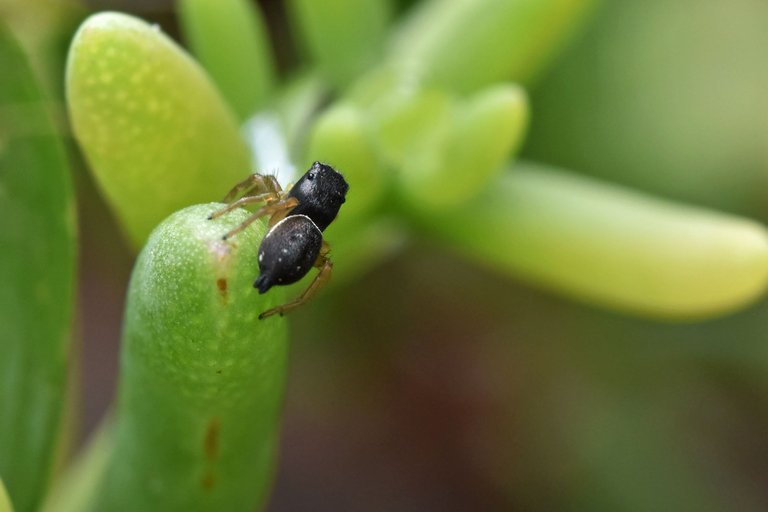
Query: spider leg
(279, 207)
(325, 265)
(256, 188)
(260, 198)
(255, 184)
(282, 213)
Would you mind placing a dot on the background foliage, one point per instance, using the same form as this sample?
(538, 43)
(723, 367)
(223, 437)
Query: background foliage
(430, 377)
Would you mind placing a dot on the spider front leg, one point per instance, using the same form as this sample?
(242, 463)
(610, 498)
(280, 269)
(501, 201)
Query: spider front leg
(277, 209)
(326, 266)
(254, 184)
(256, 188)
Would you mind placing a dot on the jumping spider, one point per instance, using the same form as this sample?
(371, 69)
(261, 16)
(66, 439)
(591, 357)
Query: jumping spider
(294, 243)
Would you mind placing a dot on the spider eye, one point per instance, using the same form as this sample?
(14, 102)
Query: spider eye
(311, 176)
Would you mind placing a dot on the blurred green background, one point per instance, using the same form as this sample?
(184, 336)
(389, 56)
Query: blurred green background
(432, 384)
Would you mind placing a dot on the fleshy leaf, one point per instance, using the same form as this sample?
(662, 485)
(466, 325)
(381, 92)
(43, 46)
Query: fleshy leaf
(485, 130)
(37, 261)
(5, 502)
(340, 138)
(155, 131)
(77, 486)
(230, 39)
(201, 376)
(411, 129)
(342, 36)
(464, 45)
(611, 246)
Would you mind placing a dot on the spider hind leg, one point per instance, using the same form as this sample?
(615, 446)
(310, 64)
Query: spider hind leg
(323, 276)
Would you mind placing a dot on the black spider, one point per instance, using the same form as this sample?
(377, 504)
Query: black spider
(294, 244)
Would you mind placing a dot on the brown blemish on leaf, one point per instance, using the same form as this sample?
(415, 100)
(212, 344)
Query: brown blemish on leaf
(209, 480)
(221, 284)
(211, 440)
(211, 452)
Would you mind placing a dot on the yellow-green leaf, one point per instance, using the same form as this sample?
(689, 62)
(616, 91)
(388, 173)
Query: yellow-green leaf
(611, 246)
(154, 129)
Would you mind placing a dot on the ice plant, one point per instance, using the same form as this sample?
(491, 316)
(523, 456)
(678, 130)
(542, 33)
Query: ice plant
(423, 113)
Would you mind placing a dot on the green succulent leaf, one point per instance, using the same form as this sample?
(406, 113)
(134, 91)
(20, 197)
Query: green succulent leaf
(411, 128)
(611, 246)
(74, 490)
(464, 45)
(155, 131)
(340, 137)
(42, 27)
(37, 261)
(484, 132)
(342, 36)
(201, 376)
(296, 107)
(5, 502)
(230, 39)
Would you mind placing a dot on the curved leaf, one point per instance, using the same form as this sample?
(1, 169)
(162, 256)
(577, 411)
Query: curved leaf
(463, 45)
(342, 36)
(230, 39)
(37, 262)
(5, 502)
(611, 246)
(339, 138)
(484, 131)
(201, 376)
(156, 133)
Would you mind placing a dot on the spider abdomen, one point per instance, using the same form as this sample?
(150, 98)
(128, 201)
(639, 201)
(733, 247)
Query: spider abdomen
(288, 252)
